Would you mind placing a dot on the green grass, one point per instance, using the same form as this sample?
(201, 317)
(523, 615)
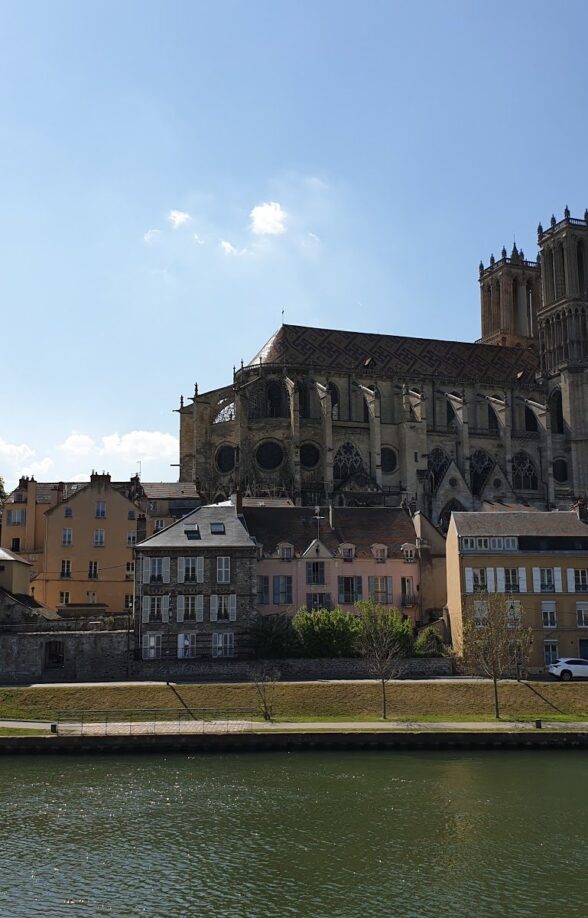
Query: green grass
(20, 731)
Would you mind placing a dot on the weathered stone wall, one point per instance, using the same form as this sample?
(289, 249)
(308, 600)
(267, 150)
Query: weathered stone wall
(88, 656)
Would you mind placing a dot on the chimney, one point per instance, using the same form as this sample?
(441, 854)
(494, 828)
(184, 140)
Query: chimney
(141, 527)
(238, 501)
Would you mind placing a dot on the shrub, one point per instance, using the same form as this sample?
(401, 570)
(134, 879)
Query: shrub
(429, 644)
(274, 637)
(324, 633)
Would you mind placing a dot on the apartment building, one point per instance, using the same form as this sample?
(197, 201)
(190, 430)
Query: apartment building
(538, 561)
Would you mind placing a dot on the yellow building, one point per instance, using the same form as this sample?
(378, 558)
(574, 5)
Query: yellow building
(538, 560)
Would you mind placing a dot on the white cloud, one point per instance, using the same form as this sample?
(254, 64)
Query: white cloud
(81, 476)
(227, 248)
(198, 240)
(151, 236)
(314, 237)
(178, 218)
(268, 219)
(15, 452)
(39, 468)
(78, 444)
(140, 444)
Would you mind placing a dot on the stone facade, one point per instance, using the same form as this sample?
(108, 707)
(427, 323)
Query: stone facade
(321, 415)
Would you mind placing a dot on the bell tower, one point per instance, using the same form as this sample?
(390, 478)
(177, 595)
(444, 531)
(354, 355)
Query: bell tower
(510, 290)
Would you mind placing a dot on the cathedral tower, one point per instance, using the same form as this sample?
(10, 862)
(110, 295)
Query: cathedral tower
(510, 296)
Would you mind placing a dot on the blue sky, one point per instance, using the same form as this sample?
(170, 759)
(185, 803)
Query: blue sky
(174, 174)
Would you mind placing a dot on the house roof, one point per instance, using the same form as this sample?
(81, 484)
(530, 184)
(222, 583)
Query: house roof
(538, 523)
(361, 526)
(394, 355)
(6, 555)
(175, 536)
(172, 490)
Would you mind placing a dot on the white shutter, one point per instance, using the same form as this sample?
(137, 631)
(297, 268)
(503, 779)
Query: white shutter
(145, 646)
(469, 580)
(181, 638)
(214, 608)
(557, 579)
(522, 579)
(145, 569)
(180, 607)
(181, 570)
(165, 608)
(166, 570)
(200, 608)
(145, 607)
(537, 579)
(490, 579)
(500, 580)
(233, 607)
(389, 599)
(571, 580)
(200, 570)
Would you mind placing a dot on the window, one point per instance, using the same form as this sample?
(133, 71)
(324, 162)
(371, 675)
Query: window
(549, 614)
(193, 608)
(16, 517)
(156, 570)
(54, 655)
(65, 569)
(262, 590)
(285, 552)
(151, 646)
(64, 598)
(152, 506)
(223, 644)
(511, 579)
(128, 602)
(581, 580)
(131, 515)
(223, 570)
(156, 608)
(68, 513)
(217, 528)
(524, 473)
(186, 645)
(19, 498)
(282, 590)
(191, 570)
(582, 612)
(99, 538)
(496, 543)
(158, 525)
(66, 536)
(468, 543)
(380, 590)
(407, 597)
(480, 582)
(129, 570)
(318, 600)
(15, 545)
(349, 589)
(223, 612)
(100, 509)
(348, 552)
(91, 596)
(192, 532)
(511, 543)
(547, 584)
(92, 570)
(550, 652)
(480, 613)
(381, 553)
(513, 613)
(315, 572)
(483, 544)
(131, 539)
(560, 470)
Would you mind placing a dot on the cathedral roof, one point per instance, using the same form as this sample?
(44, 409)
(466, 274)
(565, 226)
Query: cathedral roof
(367, 354)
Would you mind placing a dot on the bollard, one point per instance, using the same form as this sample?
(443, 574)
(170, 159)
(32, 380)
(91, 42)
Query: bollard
(538, 724)
(53, 728)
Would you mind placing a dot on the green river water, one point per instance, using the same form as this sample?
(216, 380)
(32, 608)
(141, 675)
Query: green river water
(306, 834)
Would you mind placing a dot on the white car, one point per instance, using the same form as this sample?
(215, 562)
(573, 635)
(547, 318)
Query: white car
(569, 668)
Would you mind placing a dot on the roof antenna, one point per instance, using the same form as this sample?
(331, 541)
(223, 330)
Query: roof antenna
(282, 315)
(139, 464)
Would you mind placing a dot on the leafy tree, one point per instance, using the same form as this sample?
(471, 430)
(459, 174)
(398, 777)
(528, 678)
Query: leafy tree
(429, 643)
(327, 633)
(274, 637)
(385, 640)
(496, 643)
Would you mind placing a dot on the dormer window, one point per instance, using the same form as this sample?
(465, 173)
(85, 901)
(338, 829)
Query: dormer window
(347, 552)
(409, 552)
(192, 532)
(217, 528)
(285, 551)
(380, 553)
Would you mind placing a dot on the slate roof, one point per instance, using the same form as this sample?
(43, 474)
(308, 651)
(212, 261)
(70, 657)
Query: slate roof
(361, 526)
(6, 555)
(538, 523)
(172, 490)
(395, 355)
(174, 536)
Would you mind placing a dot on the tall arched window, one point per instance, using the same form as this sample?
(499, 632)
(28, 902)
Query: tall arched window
(524, 473)
(453, 506)
(481, 464)
(347, 462)
(438, 463)
(493, 424)
(274, 396)
(556, 412)
(334, 393)
(303, 399)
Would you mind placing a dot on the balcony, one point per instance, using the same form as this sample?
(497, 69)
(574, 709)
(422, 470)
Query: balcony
(548, 588)
(408, 599)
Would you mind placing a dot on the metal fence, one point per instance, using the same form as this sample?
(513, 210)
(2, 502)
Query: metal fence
(143, 721)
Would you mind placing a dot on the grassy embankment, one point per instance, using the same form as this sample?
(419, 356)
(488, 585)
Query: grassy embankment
(311, 701)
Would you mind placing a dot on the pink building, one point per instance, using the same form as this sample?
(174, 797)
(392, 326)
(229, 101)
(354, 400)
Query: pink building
(349, 553)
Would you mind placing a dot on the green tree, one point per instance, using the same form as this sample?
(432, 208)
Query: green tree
(384, 641)
(274, 637)
(429, 643)
(327, 633)
(496, 643)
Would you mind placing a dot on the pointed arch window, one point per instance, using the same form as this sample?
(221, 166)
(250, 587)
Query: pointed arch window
(347, 462)
(531, 425)
(524, 473)
(453, 506)
(556, 412)
(438, 463)
(481, 464)
(275, 399)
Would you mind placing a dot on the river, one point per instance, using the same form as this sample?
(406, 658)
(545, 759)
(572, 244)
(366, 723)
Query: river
(319, 835)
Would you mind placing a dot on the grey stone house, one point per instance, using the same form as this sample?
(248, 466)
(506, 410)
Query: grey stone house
(195, 588)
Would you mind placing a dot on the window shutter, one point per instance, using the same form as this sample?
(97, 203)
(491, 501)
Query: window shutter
(571, 580)
(214, 608)
(371, 586)
(536, 580)
(200, 570)
(341, 589)
(200, 608)
(289, 590)
(180, 646)
(145, 607)
(165, 608)
(358, 587)
(146, 569)
(233, 607)
(389, 599)
(557, 579)
(522, 579)
(490, 579)
(500, 580)
(276, 589)
(180, 607)
(181, 570)
(145, 646)
(166, 570)
(309, 571)
(469, 580)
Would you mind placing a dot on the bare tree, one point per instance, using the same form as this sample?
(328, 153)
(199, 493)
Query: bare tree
(264, 677)
(385, 640)
(496, 643)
